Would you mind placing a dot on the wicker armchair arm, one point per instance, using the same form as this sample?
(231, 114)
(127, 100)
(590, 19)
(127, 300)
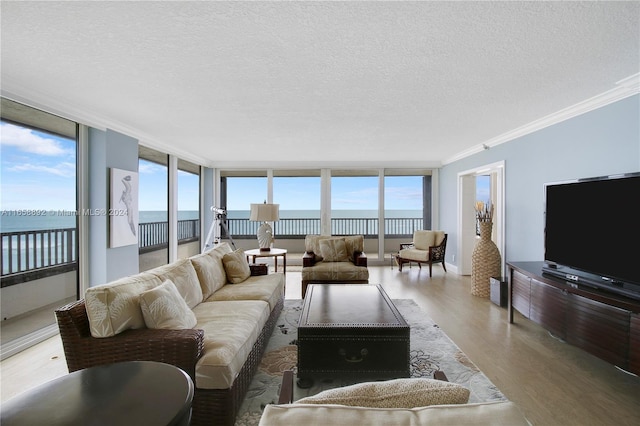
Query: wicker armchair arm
(359, 258)
(308, 259)
(181, 348)
(437, 253)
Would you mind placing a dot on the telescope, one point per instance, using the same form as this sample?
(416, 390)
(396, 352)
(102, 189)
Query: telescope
(218, 210)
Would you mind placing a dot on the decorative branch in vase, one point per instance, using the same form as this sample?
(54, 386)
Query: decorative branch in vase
(484, 212)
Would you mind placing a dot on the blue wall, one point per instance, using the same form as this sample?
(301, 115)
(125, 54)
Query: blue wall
(601, 142)
(108, 149)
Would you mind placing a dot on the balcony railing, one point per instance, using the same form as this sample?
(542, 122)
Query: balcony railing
(47, 252)
(299, 228)
(155, 235)
(28, 255)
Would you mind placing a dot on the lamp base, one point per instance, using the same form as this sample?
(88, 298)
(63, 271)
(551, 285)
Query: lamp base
(265, 237)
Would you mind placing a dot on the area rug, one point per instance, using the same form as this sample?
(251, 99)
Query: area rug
(431, 349)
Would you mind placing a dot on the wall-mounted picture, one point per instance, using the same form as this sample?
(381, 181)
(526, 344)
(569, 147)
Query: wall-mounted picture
(123, 211)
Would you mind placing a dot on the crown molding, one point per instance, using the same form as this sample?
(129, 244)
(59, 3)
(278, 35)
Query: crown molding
(624, 88)
(52, 105)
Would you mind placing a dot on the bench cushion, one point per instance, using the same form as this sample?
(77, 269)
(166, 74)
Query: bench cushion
(481, 414)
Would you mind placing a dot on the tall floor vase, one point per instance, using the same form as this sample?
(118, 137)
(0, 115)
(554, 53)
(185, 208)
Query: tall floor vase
(485, 262)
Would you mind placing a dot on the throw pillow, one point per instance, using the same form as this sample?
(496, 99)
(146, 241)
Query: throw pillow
(163, 307)
(398, 393)
(334, 250)
(236, 266)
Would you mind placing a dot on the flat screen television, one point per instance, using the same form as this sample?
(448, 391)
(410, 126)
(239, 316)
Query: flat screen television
(592, 232)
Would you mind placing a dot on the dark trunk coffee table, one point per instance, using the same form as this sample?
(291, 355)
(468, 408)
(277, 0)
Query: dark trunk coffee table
(351, 331)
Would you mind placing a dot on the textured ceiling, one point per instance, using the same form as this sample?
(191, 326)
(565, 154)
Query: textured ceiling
(307, 83)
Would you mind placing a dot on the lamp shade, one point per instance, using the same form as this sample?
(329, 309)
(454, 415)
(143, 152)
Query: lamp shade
(264, 212)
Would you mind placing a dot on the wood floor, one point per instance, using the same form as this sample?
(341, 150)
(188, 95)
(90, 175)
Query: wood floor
(553, 383)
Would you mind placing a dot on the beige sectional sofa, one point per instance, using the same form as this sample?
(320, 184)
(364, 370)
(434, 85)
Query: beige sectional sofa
(212, 328)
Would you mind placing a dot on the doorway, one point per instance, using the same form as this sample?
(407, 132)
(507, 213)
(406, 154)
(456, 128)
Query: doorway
(467, 197)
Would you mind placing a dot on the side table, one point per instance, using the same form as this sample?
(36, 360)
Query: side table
(274, 252)
(126, 393)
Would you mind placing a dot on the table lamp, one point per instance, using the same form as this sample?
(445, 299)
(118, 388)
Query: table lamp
(264, 213)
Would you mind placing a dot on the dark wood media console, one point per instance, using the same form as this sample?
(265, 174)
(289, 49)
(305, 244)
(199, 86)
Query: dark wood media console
(602, 323)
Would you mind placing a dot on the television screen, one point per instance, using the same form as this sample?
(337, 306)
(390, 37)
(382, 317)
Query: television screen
(593, 225)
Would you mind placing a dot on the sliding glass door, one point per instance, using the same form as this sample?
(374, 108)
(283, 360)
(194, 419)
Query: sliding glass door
(38, 208)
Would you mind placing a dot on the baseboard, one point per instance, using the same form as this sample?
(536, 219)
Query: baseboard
(25, 342)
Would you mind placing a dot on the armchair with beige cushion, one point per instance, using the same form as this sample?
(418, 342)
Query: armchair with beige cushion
(334, 259)
(427, 247)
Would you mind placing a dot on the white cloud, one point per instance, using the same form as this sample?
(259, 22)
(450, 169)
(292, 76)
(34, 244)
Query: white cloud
(61, 169)
(26, 140)
(149, 168)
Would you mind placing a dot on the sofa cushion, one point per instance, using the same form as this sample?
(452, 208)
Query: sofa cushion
(115, 307)
(183, 275)
(268, 288)
(398, 393)
(231, 328)
(438, 237)
(487, 413)
(163, 307)
(423, 239)
(210, 270)
(312, 245)
(236, 266)
(335, 271)
(354, 243)
(333, 250)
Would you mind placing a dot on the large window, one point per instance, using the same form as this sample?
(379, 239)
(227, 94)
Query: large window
(354, 206)
(241, 190)
(188, 209)
(153, 240)
(298, 194)
(336, 201)
(38, 221)
(404, 205)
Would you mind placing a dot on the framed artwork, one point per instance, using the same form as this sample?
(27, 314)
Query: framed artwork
(123, 208)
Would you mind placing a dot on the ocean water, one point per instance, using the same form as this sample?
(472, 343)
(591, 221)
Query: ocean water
(11, 221)
(32, 220)
(305, 214)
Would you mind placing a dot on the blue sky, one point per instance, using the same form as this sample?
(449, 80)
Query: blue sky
(38, 172)
(348, 193)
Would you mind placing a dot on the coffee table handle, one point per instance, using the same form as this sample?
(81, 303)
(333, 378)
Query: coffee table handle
(354, 357)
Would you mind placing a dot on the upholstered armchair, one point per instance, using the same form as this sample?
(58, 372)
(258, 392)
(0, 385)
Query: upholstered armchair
(334, 259)
(427, 247)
